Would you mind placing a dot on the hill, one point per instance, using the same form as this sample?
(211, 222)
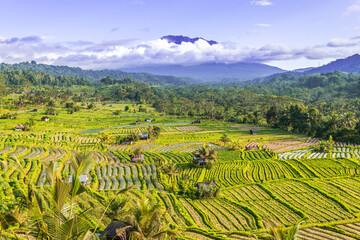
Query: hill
(349, 65)
(94, 75)
(212, 72)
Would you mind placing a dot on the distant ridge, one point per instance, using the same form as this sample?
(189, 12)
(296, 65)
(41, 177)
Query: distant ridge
(95, 75)
(178, 39)
(212, 72)
(349, 65)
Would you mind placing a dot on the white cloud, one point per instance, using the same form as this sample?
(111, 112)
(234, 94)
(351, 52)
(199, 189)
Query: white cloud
(130, 52)
(263, 25)
(354, 8)
(340, 42)
(261, 2)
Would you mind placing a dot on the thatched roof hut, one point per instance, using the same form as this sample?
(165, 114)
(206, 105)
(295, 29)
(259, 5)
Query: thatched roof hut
(113, 227)
(254, 131)
(45, 118)
(196, 121)
(20, 127)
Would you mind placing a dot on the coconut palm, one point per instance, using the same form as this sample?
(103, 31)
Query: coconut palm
(279, 233)
(170, 169)
(147, 218)
(225, 139)
(207, 154)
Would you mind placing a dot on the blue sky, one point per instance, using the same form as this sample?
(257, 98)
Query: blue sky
(113, 34)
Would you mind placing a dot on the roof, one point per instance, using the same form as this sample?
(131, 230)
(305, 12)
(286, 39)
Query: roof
(20, 126)
(45, 117)
(110, 230)
(143, 134)
(138, 156)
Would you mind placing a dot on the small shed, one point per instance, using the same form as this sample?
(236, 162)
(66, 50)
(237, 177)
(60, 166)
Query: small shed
(144, 136)
(11, 117)
(82, 178)
(115, 113)
(52, 113)
(197, 121)
(200, 160)
(20, 127)
(147, 120)
(137, 158)
(207, 186)
(45, 118)
(110, 232)
(253, 131)
(34, 110)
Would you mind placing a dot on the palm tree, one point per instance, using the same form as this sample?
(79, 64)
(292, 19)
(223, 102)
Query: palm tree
(171, 170)
(279, 233)
(147, 220)
(205, 154)
(225, 139)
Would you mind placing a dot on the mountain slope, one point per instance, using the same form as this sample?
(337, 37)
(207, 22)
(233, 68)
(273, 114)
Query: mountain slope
(93, 75)
(350, 65)
(212, 72)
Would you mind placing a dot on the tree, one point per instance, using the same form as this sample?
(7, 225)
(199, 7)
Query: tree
(225, 139)
(279, 233)
(153, 132)
(205, 156)
(91, 106)
(105, 137)
(147, 220)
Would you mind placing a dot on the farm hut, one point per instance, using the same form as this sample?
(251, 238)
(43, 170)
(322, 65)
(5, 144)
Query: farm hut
(147, 120)
(137, 122)
(253, 131)
(137, 158)
(144, 136)
(200, 160)
(205, 186)
(20, 127)
(34, 110)
(45, 118)
(11, 117)
(52, 113)
(115, 113)
(82, 178)
(110, 232)
(197, 121)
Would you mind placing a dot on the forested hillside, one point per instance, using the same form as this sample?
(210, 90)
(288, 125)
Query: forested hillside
(94, 75)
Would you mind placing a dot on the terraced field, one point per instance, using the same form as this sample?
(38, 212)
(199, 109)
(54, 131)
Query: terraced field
(323, 188)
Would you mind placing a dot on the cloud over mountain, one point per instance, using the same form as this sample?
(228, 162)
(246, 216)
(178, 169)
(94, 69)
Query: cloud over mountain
(131, 52)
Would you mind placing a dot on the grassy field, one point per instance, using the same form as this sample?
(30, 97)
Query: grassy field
(291, 184)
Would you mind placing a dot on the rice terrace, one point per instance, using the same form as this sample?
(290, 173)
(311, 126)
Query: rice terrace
(180, 120)
(284, 179)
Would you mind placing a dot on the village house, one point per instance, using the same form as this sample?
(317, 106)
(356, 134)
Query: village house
(20, 127)
(110, 232)
(137, 158)
(143, 136)
(253, 131)
(45, 118)
(197, 121)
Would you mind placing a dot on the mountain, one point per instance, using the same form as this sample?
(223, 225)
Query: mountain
(95, 75)
(349, 65)
(212, 72)
(303, 69)
(178, 39)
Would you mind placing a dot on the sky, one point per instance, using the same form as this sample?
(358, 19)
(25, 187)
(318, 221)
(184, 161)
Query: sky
(115, 34)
